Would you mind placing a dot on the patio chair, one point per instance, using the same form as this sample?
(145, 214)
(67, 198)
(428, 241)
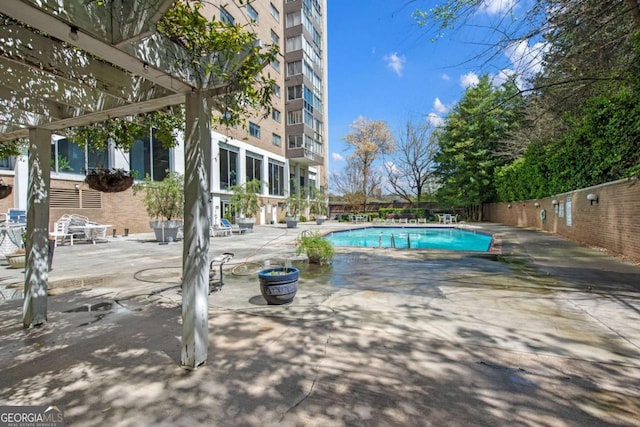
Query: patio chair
(234, 228)
(61, 230)
(92, 231)
(217, 230)
(15, 216)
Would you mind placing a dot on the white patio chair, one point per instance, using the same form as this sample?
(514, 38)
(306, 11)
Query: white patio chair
(61, 231)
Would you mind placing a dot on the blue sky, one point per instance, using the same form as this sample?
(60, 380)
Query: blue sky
(383, 66)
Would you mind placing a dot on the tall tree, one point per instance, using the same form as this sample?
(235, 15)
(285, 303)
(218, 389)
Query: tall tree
(370, 139)
(410, 172)
(472, 135)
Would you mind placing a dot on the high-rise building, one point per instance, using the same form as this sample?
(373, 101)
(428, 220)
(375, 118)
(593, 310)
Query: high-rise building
(287, 151)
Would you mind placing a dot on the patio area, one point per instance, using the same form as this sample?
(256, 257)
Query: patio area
(543, 333)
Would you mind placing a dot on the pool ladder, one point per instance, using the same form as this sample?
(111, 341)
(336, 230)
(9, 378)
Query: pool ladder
(393, 241)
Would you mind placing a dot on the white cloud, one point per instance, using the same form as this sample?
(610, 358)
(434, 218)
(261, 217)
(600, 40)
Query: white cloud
(497, 7)
(395, 62)
(469, 79)
(445, 76)
(390, 166)
(502, 76)
(440, 107)
(435, 120)
(337, 157)
(526, 59)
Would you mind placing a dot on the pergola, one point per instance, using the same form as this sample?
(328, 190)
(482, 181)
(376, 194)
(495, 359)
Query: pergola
(69, 63)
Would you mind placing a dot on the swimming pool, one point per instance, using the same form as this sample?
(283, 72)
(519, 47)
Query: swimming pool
(450, 239)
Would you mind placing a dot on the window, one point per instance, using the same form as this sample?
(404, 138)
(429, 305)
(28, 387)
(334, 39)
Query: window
(294, 92)
(253, 166)
(226, 17)
(293, 43)
(276, 140)
(8, 163)
(228, 167)
(275, 64)
(68, 157)
(254, 130)
(253, 14)
(294, 117)
(275, 39)
(276, 90)
(274, 12)
(276, 178)
(148, 157)
(294, 68)
(295, 141)
(292, 19)
(276, 115)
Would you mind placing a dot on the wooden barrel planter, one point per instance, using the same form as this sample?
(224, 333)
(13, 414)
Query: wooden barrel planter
(278, 285)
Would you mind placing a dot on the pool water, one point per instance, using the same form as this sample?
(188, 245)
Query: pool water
(450, 239)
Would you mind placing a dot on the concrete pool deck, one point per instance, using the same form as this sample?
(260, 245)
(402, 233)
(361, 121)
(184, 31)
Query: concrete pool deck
(544, 333)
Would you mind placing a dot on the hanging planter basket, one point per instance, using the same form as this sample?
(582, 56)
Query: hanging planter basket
(5, 190)
(109, 180)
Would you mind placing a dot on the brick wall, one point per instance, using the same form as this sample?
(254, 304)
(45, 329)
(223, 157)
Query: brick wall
(121, 210)
(613, 223)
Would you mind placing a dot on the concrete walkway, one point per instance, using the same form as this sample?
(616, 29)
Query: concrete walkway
(545, 333)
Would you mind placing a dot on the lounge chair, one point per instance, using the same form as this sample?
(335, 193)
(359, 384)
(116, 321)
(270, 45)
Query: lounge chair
(218, 230)
(61, 230)
(234, 229)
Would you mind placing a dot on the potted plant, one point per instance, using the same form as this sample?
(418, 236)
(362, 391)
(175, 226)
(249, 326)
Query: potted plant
(164, 200)
(109, 180)
(317, 249)
(278, 285)
(296, 203)
(18, 259)
(246, 203)
(319, 206)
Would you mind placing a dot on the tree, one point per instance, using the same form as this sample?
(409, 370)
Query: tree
(472, 134)
(411, 172)
(348, 183)
(369, 139)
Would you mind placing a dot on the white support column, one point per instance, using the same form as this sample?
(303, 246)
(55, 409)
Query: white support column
(195, 258)
(34, 310)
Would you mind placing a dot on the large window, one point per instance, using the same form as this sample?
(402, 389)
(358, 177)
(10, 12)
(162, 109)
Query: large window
(149, 157)
(8, 163)
(228, 168)
(67, 157)
(254, 166)
(276, 178)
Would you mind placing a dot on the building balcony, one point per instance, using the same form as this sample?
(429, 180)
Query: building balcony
(304, 156)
